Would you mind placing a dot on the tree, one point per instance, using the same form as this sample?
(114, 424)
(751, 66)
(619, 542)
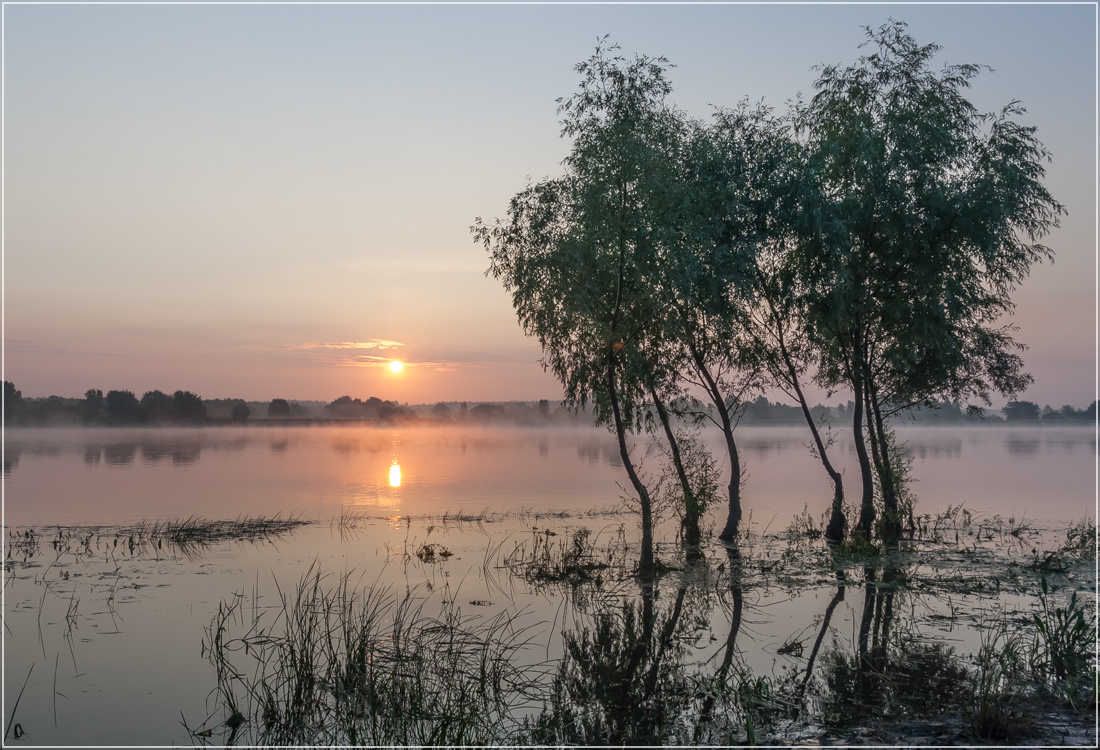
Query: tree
(441, 411)
(576, 251)
(13, 402)
(1019, 411)
(158, 407)
(123, 408)
(240, 412)
(188, 407)
(920, 217)
(279, 408)
(93, 406)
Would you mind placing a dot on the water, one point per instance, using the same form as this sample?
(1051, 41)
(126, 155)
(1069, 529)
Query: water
(112, 635)
(115, 475)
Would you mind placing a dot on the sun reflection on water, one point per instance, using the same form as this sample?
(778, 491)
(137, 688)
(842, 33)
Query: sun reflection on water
(395, 475)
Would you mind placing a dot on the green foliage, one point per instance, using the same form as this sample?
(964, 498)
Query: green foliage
(1081, 540)
(1016, 411)
(335, 665)
(998, 689)
(122, 408)
(924, 215)
(1065, 644)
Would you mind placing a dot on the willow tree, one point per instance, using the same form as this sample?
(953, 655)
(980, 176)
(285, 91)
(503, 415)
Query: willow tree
(921, 216)
(577, 251)
(748, 279)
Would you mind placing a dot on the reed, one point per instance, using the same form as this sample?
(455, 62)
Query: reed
(336, 663)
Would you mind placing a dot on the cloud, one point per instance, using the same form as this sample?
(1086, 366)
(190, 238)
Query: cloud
(369, 344)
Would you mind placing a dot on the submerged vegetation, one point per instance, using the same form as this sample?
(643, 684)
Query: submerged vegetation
(338, 659)
(188, 537)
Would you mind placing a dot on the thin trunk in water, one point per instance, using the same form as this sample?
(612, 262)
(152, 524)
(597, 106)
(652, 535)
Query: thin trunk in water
(834, 531)
(891, 526)
(867, 502)
(691, 504)
(646, 563)
(733, 516)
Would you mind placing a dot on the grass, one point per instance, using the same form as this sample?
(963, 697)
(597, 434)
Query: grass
(575, 559)
(336, 663)
(1063, 655)
(332, 660)
(997, 684)
(188, 537)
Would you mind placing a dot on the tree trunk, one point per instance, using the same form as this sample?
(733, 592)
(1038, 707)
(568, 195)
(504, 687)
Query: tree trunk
(690, 524)
(834, 531)
(867, 503)
(891, 519)
(733, 516)
(646, 566)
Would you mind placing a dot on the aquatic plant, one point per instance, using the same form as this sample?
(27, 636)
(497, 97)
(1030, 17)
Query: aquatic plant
(997, 683)
(572, 560)
(334, 663)
(1081, 540)
(1064, 649)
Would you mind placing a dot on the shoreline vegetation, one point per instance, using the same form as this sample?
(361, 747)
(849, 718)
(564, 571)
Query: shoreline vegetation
(184, 408)
(329, 657)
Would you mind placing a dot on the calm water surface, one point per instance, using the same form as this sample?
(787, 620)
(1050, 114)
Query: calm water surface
(105, 642)
(109, 476)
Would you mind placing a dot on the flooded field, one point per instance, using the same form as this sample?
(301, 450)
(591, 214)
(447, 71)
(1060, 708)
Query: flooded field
(444, 586)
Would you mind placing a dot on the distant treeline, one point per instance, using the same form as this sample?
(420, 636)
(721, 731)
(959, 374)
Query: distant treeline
(121, 408)
(124, 408)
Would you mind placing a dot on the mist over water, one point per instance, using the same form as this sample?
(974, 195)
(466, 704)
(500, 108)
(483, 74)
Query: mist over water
(118, 604)
(118, 475)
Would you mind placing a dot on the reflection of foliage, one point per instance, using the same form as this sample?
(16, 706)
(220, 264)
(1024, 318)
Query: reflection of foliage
(616, 685)
(915, 680)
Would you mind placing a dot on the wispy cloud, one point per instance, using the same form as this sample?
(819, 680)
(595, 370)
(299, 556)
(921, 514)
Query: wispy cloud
(381, 352)
(368, 344)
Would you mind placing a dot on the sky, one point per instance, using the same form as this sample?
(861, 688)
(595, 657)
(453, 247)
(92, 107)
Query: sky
(263, 201)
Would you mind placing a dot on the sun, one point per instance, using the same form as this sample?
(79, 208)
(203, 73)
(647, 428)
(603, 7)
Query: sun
(396, 366)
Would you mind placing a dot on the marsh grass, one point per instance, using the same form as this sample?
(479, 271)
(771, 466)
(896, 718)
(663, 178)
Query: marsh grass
(574, 559)
(188, 537)
(1063, 656)
(335, 662)
(998, 685)
(194, 534)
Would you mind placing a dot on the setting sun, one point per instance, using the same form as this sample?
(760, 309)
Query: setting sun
(396, 366)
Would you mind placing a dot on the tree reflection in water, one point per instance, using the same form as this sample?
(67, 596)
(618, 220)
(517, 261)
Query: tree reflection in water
(632, 670)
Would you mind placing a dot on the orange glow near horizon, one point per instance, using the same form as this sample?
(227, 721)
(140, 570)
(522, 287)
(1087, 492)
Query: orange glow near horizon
(396, 366)
(395, 475)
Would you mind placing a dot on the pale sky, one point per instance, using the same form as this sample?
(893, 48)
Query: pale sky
(265, 201)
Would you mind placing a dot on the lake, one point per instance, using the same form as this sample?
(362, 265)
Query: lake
(112, 596)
